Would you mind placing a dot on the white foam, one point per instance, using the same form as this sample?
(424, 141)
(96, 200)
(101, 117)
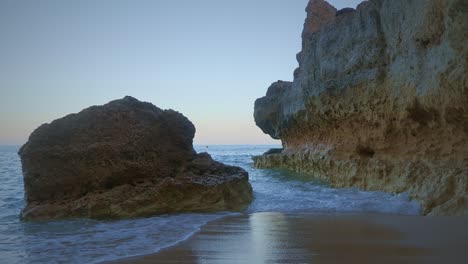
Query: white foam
(89, 241)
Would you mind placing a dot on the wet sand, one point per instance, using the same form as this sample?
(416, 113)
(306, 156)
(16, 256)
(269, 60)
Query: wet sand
(301, 238)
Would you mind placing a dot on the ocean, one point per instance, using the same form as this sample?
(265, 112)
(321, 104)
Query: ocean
(92, 241)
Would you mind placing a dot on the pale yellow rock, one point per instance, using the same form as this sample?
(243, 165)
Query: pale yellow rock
(380, 101)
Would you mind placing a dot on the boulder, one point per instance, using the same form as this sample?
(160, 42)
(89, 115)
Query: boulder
(124, 159)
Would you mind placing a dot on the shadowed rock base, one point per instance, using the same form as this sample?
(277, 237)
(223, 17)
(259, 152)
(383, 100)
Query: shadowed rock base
(441, 191)
(203, 186)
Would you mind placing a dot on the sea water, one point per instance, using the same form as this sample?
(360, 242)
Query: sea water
(91, 241)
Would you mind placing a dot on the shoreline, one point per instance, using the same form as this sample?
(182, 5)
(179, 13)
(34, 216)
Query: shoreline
(319, 238)
(175, 244)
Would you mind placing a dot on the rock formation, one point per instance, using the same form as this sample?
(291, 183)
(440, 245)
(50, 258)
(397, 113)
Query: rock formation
(379, 101)
(124, 159)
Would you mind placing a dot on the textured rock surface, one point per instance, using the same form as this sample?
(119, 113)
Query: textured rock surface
(124, 159)
(319, 14)
(379, 101)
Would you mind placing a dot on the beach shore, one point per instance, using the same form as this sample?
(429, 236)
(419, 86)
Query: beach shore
(274, 237)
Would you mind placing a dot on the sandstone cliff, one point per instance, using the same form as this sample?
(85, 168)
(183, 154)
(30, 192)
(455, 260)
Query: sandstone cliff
(124, 159)
(379, 101)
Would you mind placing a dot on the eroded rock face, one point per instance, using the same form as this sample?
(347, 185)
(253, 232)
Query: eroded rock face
(380, 101)
(124, 159)
(319, 14)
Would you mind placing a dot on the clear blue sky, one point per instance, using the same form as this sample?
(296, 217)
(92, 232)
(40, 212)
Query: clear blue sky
(209, 59)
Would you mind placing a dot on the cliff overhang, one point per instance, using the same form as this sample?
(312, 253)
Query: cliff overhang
(379, 101)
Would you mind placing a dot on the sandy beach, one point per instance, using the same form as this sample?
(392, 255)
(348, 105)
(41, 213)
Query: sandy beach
(303, 238)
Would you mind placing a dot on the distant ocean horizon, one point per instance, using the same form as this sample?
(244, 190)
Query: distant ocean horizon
(93, 241)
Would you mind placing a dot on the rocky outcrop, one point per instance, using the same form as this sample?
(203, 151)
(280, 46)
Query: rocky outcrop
(379, 101)
(319, 14)
(124, 159)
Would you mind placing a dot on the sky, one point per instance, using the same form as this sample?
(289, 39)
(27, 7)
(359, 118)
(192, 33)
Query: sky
(208, 59)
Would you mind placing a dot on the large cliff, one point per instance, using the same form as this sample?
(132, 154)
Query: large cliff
(379, 101)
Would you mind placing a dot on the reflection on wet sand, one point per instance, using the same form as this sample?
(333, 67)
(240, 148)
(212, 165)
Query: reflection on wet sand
(298, 238)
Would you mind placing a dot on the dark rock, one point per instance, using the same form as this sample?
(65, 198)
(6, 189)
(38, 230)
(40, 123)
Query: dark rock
(267, 109)
(124, 159)
(273, 151)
